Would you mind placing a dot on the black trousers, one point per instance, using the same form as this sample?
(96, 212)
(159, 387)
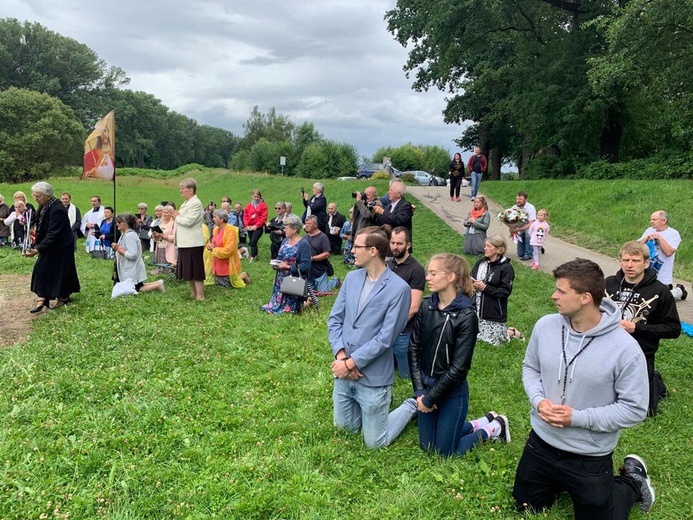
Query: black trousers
(544, 472)
(455, 183)
(254, 238)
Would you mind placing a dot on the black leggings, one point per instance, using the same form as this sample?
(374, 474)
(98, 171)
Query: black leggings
(455, 183)
(254, 239)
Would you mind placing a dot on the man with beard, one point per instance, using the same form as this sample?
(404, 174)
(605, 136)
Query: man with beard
(408, 269)
(648, 309)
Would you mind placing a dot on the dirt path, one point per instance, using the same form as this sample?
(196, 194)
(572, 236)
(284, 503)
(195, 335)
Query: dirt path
(15, 318)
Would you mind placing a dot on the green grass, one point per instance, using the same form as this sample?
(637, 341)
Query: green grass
(158, 407)
(603, 215)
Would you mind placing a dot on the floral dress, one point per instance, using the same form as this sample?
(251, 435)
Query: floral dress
(280, 303)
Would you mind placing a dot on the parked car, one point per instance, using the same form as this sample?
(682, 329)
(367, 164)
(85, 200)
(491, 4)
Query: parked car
(346, 178)
(366, 171)
(424, 178)
(438, 181)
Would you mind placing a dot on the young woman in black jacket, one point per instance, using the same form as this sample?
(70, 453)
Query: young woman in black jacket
(440, 356)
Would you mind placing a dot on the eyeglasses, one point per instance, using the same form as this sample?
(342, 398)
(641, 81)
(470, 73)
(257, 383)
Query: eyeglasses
(278, 207)
(360, 247)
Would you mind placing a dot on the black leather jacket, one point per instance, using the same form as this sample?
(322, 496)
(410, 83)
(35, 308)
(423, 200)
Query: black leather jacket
(441, 347)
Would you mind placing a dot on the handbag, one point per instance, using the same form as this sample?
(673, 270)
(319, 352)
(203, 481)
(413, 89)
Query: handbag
(294, 285)
(99, 251)
(330, 269)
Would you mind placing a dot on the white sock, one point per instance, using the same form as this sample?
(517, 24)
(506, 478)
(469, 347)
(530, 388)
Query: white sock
(493, 429)
(479, 423)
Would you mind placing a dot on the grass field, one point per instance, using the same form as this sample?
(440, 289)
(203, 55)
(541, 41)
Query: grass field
(159, 407)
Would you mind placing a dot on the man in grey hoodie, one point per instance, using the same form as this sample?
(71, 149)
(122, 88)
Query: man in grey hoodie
(586, 379)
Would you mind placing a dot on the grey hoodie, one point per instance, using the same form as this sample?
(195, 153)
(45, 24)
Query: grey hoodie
(607, 385)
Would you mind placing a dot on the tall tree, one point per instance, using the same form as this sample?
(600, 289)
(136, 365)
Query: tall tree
(38, 133)
(271, 126)
(33, 57)
(517, 69)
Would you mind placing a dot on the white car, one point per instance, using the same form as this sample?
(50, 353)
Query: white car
(346, 178)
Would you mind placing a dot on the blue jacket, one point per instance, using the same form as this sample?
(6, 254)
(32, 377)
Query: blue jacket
(367, 335)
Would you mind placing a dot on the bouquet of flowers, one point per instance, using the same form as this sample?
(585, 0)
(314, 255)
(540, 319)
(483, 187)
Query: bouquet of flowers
(513, 217)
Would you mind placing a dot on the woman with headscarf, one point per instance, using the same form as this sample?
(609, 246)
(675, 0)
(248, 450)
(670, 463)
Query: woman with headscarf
(55, 273)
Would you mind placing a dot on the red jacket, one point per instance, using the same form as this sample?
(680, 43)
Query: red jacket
(255, 215)
(484, 164)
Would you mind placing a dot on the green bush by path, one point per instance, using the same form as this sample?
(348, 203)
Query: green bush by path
(159, 407)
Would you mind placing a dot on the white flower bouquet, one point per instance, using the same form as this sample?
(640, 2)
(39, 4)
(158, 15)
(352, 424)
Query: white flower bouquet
(513, 218)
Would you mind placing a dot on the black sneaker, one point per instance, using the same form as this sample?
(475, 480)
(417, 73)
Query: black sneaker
(543, 250)
(504, 435)
(635, 468)
(684, 292)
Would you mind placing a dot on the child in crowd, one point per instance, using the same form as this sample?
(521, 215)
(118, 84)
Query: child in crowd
(538, 232)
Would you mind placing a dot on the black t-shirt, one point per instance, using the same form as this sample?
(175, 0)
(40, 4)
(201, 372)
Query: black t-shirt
(318, 244)
(413, 273)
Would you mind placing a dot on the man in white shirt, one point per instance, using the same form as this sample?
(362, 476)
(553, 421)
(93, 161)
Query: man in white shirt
(91, 221)
(524, 250)
(663, 242)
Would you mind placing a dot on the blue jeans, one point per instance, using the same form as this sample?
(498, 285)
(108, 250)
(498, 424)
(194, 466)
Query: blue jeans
(524, 250)
(476, 180)
(323, 283)
(445, 430)
(359, 407)
(400, 349)
(544, 472)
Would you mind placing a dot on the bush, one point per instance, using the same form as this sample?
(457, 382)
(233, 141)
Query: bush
(408, 178)
(380, 176)
(657, 167)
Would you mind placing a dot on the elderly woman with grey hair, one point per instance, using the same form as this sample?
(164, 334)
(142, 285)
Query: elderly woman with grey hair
(316, 205)
(190, 240)
(226, 261)
(293, 259)
(55, 273)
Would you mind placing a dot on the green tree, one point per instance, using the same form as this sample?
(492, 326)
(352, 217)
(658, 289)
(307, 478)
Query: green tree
(271, 126)
(519, 71)
(647, 58)
(35, 58)
(327, 159)
(37, 134)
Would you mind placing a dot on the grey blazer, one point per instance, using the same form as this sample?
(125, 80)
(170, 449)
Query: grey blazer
(367, 334)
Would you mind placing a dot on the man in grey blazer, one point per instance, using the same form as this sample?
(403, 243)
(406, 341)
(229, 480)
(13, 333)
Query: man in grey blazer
(370, 311)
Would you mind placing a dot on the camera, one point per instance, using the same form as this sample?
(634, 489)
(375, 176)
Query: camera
(355, 193)
(371, 205)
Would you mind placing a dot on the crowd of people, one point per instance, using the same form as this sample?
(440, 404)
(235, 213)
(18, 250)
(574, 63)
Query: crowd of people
(588, 371)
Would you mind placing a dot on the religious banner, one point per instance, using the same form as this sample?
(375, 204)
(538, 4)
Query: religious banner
(99, 150)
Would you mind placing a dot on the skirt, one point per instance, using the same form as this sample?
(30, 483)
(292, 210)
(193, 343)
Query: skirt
(191, 265)
(493, 332)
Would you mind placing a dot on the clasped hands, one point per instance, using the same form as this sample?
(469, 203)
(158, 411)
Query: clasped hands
(558, 415)
(341, 370)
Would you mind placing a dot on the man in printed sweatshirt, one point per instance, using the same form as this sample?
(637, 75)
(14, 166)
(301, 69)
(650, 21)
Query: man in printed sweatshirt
(586, 379)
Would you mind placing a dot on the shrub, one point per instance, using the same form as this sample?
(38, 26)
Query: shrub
(381, 176)
(408, 178)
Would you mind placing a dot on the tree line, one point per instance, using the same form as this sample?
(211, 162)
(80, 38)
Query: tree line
(554, 85)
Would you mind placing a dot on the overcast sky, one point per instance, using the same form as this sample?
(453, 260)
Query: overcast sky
(330, 62)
